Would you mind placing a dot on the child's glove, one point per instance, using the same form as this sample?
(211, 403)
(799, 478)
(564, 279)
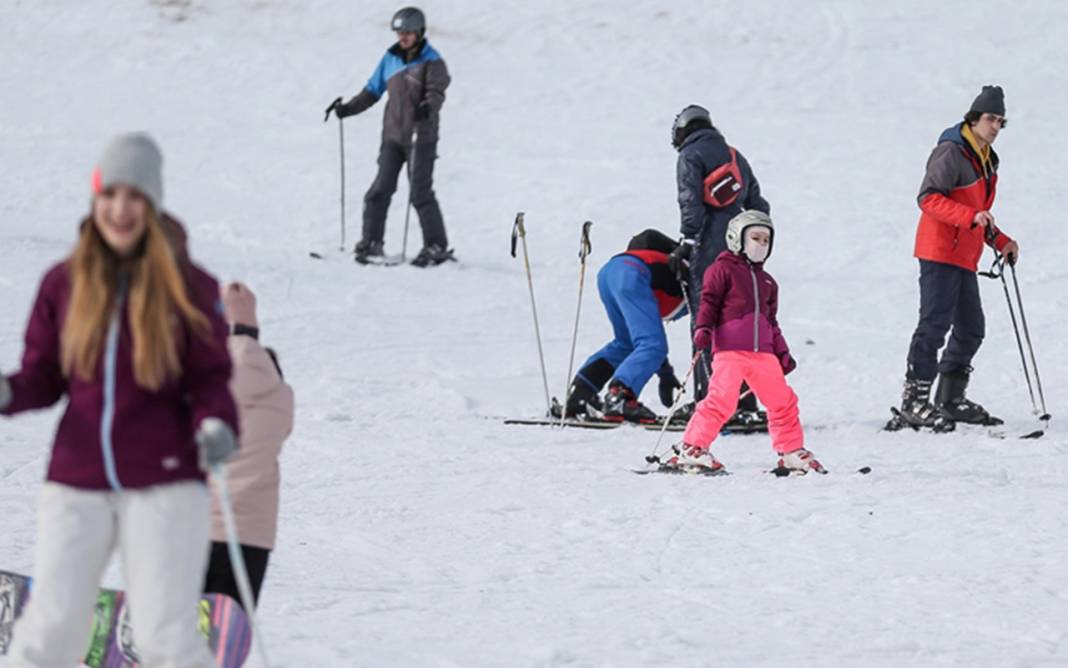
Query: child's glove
(216, 443)
(702, 338)
(787, 362)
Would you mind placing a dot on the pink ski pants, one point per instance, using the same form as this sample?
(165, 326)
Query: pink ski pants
(764, 375)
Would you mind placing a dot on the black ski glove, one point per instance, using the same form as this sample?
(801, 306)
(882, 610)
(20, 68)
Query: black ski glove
(422, 112)
(678, 261)
(668, 384)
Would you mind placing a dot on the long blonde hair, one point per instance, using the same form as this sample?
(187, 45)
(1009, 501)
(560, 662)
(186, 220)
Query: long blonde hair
(157, 293)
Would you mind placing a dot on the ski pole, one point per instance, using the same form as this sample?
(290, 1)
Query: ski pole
(408, 211)
(1030, 348)
(237, 560)
(585, 248)
(341, 147)
(519, 231)
(652, 457)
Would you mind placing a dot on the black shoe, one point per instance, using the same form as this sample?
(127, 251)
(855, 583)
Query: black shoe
(684, 413)
(747, 421)
(370, 252)
(917, 411)
(582, 402)
(432, 255)
(620, 405)
(954, 405)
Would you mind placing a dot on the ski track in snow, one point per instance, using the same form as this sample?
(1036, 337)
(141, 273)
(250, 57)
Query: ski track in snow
(415, 531)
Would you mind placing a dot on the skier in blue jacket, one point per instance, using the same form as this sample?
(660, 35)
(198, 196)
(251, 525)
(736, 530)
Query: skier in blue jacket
(639, 292)
(415, 76)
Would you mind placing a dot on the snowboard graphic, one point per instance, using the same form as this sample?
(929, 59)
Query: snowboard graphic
(221, 621)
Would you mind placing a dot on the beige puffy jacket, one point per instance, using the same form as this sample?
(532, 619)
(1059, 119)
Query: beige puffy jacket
(265, 408)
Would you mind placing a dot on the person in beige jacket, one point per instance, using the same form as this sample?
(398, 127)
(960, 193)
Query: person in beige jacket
(265, 410)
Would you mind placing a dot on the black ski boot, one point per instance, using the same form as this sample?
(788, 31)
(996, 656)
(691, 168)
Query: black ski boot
(747, 418)
(951, 401)
(620, 405)
(917, 411)
(683, 414)
(432, 256)
(370, 252)
(582, 402)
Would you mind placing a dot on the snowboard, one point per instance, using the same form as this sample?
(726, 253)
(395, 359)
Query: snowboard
(221, 621)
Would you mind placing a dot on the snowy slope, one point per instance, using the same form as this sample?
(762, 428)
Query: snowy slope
(419, 531)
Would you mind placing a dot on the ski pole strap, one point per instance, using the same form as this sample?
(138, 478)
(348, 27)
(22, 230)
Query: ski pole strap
(585, 247)
(997, 268)
(517, 230)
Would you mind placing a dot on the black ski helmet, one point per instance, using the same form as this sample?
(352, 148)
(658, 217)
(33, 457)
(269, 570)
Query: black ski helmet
(689, 119)
(409, 19)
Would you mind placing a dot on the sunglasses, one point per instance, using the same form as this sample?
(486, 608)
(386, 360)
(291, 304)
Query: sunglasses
(1000, 120)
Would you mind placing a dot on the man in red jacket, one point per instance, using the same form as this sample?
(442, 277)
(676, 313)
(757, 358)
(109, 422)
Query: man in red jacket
(955, 198)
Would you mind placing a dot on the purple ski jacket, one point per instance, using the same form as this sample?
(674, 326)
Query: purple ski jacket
(739, 302)
(115, 434)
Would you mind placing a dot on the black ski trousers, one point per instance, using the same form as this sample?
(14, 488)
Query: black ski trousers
(391, 158)
(220, 577)
(949, 299)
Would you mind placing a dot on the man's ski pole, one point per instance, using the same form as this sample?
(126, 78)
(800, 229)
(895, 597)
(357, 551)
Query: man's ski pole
(237, 560)
(998, 271)
(411, 173)
(519, 232)
(584, 250)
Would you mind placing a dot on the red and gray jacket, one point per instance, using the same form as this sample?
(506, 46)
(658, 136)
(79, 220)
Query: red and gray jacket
(739, 303)
(954, 189)
(113, 433)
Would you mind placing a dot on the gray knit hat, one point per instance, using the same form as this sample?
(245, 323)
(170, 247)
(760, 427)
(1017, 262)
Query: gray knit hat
(134, 160)
(990, 101)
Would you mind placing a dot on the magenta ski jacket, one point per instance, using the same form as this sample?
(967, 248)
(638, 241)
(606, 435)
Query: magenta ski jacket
(739, 302)
(114, 434)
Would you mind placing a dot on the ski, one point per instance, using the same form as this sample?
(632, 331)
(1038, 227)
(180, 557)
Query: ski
(383, 261)
(591, 423)
(783, 472)
(684, 470)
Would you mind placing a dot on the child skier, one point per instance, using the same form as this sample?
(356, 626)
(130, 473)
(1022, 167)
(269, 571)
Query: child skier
(737, 317)
(129, 332)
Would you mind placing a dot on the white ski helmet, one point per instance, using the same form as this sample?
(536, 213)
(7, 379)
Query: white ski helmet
(739, 224)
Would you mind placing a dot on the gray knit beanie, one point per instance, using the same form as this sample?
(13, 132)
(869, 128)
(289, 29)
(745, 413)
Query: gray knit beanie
(990, 101)
(134, 160)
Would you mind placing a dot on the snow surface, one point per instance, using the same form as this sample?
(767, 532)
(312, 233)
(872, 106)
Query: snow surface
(416, 529)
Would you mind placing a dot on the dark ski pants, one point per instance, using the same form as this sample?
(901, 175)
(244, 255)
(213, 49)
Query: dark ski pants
(220, 577)
(391, 158)
(640, 344)
(704, 254)
(949, 299)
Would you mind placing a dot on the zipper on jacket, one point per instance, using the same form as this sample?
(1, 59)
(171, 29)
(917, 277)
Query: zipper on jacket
(756, 311)
(107, 417)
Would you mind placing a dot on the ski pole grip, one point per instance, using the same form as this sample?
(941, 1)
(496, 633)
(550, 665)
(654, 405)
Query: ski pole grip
(585, 248)
(517, 230)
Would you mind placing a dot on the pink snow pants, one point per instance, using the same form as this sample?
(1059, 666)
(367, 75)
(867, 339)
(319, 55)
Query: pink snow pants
(764, 375)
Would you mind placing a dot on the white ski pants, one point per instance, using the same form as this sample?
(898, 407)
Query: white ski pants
(161, 533)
